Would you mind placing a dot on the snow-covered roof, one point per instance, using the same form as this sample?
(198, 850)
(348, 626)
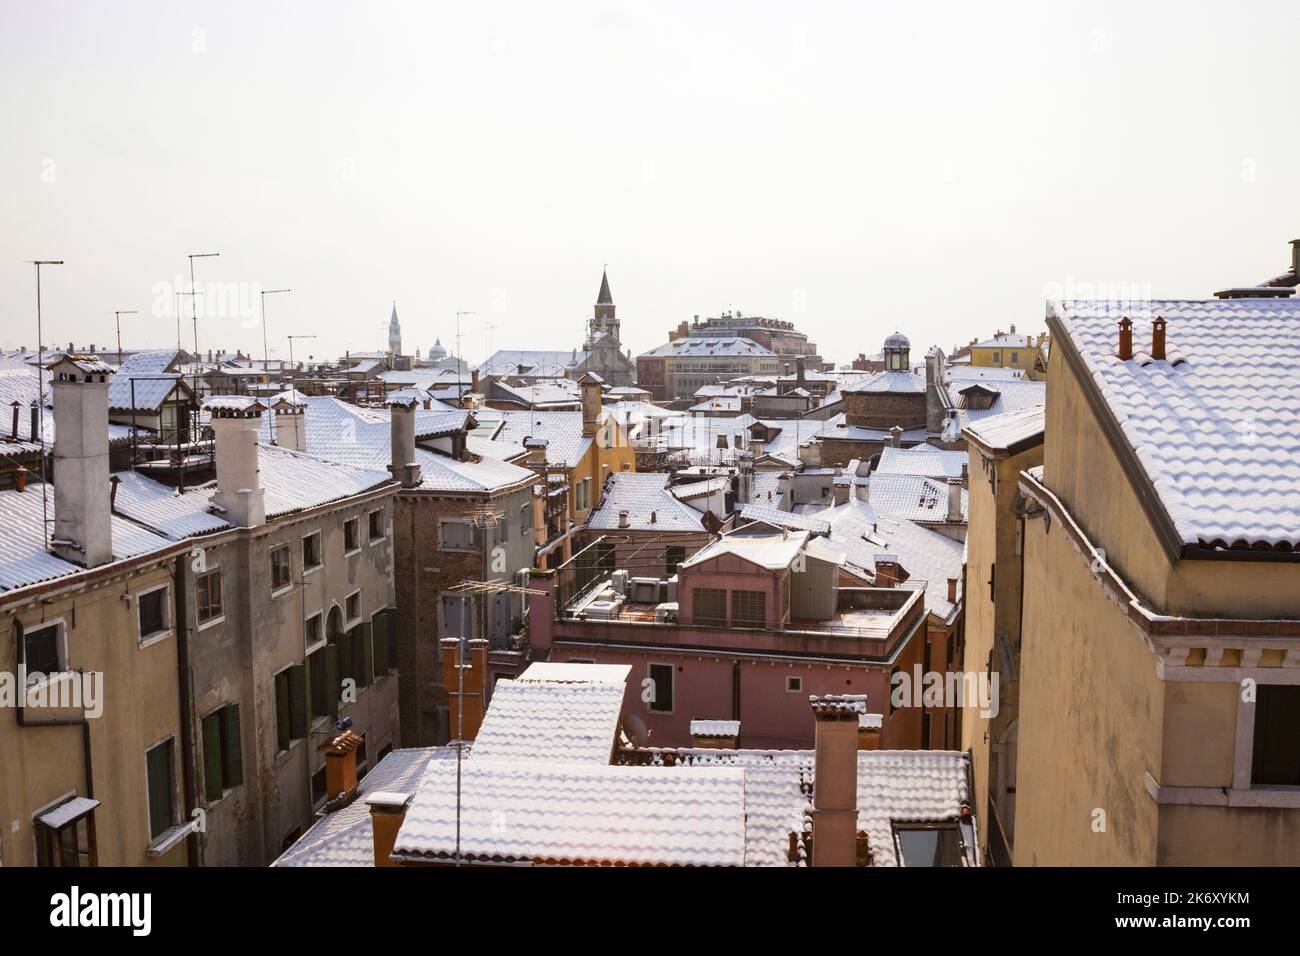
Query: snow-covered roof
(149, 393)
(772, 550)
(914, 497)
(578, 813)
(708, 346)
(924, 459)
(531, 363)
(1011, 431)
(715, 728)
(783, 519)
(542, 720)
(345, 837)
(1011, 396)
(560, 672)
(894, 383)
(1216, 433)
(23, 558)
(641, 495)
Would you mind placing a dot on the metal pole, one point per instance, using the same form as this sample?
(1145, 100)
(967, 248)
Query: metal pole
(117, 317)
(40, 396)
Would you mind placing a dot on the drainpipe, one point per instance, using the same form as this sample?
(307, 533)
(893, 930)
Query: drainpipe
(188, 783)
(25, 721)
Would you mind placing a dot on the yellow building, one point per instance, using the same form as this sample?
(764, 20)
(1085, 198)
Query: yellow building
(1000, 448)
(1160, 663)
(1025, 353)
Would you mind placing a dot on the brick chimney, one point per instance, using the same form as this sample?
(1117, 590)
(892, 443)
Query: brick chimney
(236, 425)
(341, 766)
(715, 734)
(1158, 338)
(536, 452)
(589, 386)
(952, 590)
(291, 423)
(471, 699)
(387, 813)
(835, 779)
(83, 532)
(886, 570)
(1125, 339)
(403, 465)
(869, 726)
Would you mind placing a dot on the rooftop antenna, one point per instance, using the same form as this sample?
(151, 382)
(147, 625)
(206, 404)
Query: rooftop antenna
(194, 312)
(40, 395)
(460, 387)
(266, 353)
(117, 317)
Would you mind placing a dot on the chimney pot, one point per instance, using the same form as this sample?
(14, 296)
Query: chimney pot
(1158, 338)
(387, 813)
(1125, 339)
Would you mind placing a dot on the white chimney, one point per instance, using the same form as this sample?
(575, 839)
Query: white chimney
(236, 425)
(402, 435)
(954, 501)
(83, 532)
(622, 519)
(291, 422)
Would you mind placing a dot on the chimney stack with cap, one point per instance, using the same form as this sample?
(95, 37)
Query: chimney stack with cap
(1158, 338)
(341, 766)
(291, 422)
(589, 387)
(236, 424)
(387, 813)
(1125, 339)
(835, 779)
(83, 532)
(954, 501)
(403, 465)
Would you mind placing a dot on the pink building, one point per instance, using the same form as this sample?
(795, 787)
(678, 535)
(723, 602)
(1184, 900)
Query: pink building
(748, 629)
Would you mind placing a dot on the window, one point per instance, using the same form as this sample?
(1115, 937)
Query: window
(223, 766)
(311, 631)
(673, 557)
(455, 535)
(311, 552)
(162, 787)
(351, 535)
(661, 688)
(710, 606)
(67, 841)
(42, 651)
(1015, 357)
(352, 606)
(322, 670)
(526, 519)
(291, 705)
(375, 524)
(794, 684)
(152, 607)
(1275, 760)
(997, 357)
(582, 495)
(207, 588)
(748, 608)
(385, 654)
(919, 844)
(281, 570)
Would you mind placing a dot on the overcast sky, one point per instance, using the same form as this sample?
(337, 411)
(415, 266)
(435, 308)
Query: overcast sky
(857, 168)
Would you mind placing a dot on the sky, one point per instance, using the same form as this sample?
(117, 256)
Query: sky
(856, 168)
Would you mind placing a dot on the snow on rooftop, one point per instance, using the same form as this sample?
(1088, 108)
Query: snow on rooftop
(561, 722)
(771, 550)
(1218, 435)
(924, 459)
(560, 672)
(638, 496)
(587, 813)
(1007, 431)
(715, 728)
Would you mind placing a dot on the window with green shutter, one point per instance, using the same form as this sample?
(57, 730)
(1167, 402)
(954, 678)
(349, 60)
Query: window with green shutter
(363, 662)
(299, 705)
(318, 681)
(283, 711)
(223, 764)
(345, 660)
(379, 640)
(158, 763)
(332, 681)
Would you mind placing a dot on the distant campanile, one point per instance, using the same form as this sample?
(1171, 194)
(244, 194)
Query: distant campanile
(394, 333)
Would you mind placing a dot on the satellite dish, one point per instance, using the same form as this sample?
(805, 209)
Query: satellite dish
(636, 731)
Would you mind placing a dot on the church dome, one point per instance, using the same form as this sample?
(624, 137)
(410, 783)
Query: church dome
(897, 341)
(437, 352)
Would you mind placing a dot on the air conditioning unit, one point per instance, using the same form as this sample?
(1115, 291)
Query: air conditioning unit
(666, 613)
(643, 590)
(603, 610)
(618, 580)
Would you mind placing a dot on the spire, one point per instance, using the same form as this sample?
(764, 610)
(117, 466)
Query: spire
(392, 322)
(604, 298)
